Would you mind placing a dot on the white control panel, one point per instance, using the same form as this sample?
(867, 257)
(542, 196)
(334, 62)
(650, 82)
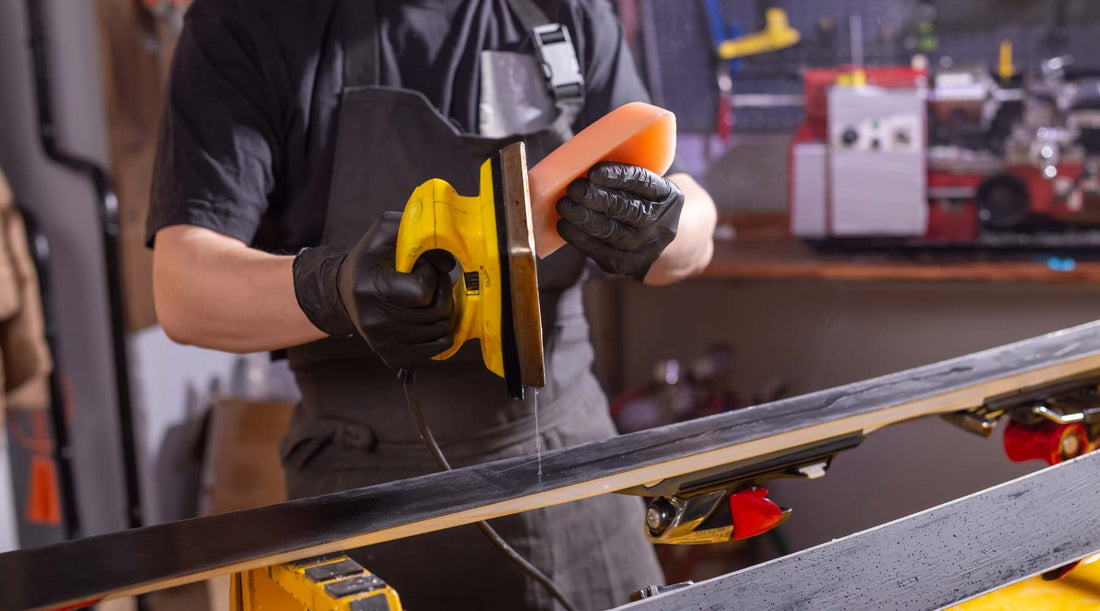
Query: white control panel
(877, 177)
(902, 133)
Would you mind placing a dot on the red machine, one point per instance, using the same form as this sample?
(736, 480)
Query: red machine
(947, 157)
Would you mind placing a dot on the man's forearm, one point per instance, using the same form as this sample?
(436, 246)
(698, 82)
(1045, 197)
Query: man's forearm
(690, 252)
(215, 292)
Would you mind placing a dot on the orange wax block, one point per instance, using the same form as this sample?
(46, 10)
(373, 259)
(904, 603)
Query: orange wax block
(639, 134)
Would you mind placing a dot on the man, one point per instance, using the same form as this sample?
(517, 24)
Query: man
(294, 134)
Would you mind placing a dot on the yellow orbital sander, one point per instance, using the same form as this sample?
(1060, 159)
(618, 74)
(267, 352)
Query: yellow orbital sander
(491, 236)
(494, 239)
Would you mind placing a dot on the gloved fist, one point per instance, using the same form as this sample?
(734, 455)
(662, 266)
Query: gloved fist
(406, 318)
(622, 216)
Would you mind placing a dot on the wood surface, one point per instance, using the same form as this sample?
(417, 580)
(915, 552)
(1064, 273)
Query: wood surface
(763, 249)
(135, 51)
(929, 560)
(160, 556)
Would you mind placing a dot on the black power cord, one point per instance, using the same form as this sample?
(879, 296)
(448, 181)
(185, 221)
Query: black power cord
(406, 376)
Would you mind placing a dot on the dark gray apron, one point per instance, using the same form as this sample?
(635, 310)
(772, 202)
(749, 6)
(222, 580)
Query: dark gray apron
(352, 428)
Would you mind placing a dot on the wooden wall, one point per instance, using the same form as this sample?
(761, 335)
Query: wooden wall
(136, 44)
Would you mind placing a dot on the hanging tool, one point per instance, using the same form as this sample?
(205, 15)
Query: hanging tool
(1006, 69)
(107, 202)
(776, 36)
(43, 491)
(730, 46)
(724, 69)
(58, 411)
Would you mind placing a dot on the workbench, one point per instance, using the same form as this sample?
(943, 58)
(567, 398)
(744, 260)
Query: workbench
(763, 249)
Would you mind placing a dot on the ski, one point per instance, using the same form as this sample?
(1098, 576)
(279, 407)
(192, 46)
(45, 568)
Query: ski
(678, 463)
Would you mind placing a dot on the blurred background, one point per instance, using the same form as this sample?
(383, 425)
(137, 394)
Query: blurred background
(899, 181)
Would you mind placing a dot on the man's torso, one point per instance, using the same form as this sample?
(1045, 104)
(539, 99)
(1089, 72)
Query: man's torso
(429, 46)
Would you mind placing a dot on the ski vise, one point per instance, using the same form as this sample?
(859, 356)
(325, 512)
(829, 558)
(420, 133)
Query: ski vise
(729, 503)
(333, 582)
(1052, 423)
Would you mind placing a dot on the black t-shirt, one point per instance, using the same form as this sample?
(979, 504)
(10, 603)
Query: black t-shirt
(249, 129)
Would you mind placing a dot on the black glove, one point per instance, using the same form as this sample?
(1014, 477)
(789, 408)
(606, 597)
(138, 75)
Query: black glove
(406, 318)
(622, 216)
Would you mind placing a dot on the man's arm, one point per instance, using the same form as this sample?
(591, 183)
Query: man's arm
(691, 251)
(214, 291)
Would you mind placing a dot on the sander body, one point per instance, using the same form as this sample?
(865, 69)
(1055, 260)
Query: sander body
(492, 238)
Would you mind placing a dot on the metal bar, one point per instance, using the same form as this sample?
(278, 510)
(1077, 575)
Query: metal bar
(162, 556)
(767, 100)
(108, 217)
(930, 560)
(855, 31)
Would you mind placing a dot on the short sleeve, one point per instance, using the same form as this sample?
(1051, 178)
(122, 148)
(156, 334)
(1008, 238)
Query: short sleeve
(219, 136)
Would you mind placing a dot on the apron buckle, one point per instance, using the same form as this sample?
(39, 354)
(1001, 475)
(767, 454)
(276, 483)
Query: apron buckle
(559, 62)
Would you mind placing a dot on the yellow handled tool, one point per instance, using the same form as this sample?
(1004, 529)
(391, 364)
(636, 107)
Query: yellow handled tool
(776, 35)
(491, 237)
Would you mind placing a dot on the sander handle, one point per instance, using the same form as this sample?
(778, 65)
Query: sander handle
(436, 217)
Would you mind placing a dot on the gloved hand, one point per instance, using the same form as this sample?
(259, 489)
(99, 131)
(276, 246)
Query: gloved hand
(622, 216)
(406, 318)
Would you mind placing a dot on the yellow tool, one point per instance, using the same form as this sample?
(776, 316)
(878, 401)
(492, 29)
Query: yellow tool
(855, 78)
(328, 583)
(1077, 591)
(1005, 68)
(491, 236)
(776, 35)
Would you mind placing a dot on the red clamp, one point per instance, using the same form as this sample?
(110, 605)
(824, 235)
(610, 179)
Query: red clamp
(1047, 441)
(753, 514)
(80, 605)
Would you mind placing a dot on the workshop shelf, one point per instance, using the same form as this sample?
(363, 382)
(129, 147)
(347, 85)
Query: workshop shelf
(763, 249)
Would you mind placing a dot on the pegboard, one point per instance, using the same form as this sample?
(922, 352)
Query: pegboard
(678, 63)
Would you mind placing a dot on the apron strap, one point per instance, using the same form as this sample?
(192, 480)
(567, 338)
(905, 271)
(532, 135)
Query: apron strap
(529, 14)
(554, 48)
(362, 50)
(362, 46)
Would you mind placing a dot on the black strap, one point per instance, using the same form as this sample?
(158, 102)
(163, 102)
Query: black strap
(568, 99)
(529, 13)
(362, 50)
(361, 43)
